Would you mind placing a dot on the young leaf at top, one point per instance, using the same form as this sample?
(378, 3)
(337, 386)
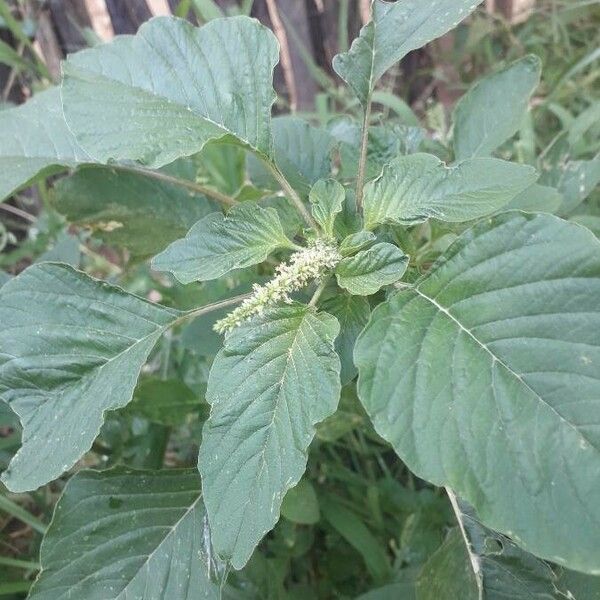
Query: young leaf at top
(130, 210)
(396, 29)
(167, 91)
(476, 563)
(484, 378)
(368, 271)
(414, 188)
(327, 201)
(355, 242)
(302, 153)
(493, 109)
(218, 244)
(123, 534)
(277, 376)
(35, 142)
(71, 348)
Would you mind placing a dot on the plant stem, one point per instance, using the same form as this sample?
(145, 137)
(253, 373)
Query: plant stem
(16, 511)
(18, 212)
(291, 193)
(362, 163)
(320, 289)
(190, 185)
(202, 310)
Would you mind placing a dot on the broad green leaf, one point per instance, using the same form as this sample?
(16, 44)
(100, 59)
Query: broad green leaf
(71, 348)
(393, 591)
(536, 198)
(493, 109)
(358, 535)
(414, 188)
(35, 142)
(167, 91)
(356, 242)
(218, 244)
(301, 505)
(396, 29)
(327, 201)
(484, 378)
(169, 401)
(368, 271)
(352, 312)
(578, 180)
(448, 574)
(139, 213)
(592, 222)
(302, 153)
(276, 377)
(123, 534)
(579, 585)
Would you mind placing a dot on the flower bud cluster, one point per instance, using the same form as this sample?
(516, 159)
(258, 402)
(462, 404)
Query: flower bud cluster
(302, 268)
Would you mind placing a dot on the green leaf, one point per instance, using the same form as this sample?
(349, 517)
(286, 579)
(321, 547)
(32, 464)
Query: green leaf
(35, 142)
(168, 402)
(592, 222)
(536, 198)
(356, 242)
(302, 153)
(127, 534)
(393, 591)
(358, 535)
(276, 377)
(489, 565)
(167, 91)
(414, 188)
(484, 378)
(141, 214)
(71, 348)
(368, 271)
(327, 200)
(579, 585)
(352, 312)
(218, 244)
(396, 29)
(493, 109)
(300, 504)
(448, 574)
(578, 180)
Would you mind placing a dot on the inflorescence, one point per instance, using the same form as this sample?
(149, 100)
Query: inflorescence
(303, 267)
